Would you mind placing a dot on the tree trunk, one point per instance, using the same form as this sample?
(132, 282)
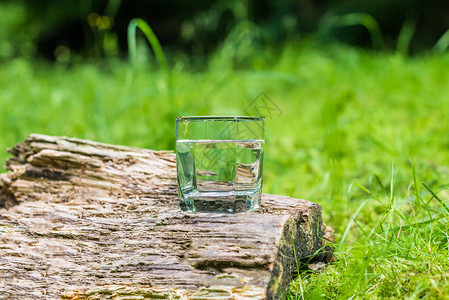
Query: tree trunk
(85, 220)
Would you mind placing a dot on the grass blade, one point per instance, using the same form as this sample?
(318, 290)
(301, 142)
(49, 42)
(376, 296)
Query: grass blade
(436, 197)
(405, 36)
(155, 45)
(363, 19)
(152, 39)
(352, 221)
(443, 43)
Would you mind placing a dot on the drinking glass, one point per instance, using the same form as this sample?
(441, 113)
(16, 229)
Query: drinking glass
(219, 162)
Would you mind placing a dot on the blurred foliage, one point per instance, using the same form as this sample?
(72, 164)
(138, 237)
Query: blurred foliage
(71, 29)
(17, 36)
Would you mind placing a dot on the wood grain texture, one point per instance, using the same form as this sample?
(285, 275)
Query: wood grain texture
(86, 220)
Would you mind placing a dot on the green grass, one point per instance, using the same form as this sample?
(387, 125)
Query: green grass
(347, 117)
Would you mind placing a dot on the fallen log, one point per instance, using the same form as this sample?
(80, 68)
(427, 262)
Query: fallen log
(86, 220)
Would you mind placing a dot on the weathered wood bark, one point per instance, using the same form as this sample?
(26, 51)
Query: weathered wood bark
(88, 220)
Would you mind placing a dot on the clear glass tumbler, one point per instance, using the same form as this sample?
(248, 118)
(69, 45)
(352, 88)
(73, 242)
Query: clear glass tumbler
(219, 162)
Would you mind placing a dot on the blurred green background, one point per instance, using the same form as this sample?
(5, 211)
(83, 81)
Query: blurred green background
(52, 29)
(356, 95)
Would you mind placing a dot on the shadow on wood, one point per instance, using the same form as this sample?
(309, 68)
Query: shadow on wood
(82, 219)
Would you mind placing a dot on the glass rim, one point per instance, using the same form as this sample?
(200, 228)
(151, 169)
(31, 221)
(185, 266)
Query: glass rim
(220, 118)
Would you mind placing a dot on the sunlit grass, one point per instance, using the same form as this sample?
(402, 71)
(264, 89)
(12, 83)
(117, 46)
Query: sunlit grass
(399, 251)
(347, 115)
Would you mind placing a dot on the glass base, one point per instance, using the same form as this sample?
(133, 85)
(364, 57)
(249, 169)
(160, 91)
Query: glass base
(227, 202)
